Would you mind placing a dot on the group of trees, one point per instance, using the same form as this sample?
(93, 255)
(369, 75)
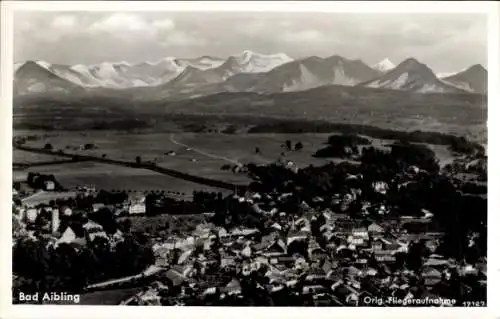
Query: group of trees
(342, 146)
(307, 126)
(37, 181)
(290, 146)
(462, 146)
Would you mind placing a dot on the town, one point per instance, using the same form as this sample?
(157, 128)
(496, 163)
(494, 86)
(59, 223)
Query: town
(392, 225)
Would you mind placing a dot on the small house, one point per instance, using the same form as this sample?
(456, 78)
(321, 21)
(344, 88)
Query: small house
(66, 211)
(385, 256)
(94, 230)
(97, 206)
(49, 185)
(314, 289)
(374, 228)
(377, 245)
(233, 287)
(360, 232)
(31, 214)
(380, 187)
(67, 236)
(315, 275)
(227, 260)
(431, 276)
(176, 277)
(355, 240)
(137, 208)
(276, 248)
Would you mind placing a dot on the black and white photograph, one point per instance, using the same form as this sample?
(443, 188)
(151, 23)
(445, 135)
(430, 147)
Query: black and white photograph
(249, 159)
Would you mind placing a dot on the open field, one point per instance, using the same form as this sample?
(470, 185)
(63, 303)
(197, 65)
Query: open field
(24, 157)
(206, 154)
(216, 149)
(45, 197)
(109, 177)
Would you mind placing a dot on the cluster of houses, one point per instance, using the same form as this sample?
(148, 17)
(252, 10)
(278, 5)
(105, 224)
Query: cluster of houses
(316, 255)
(27, 210)
(348, 263)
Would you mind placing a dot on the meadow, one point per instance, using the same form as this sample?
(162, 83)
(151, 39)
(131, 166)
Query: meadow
(200, 154)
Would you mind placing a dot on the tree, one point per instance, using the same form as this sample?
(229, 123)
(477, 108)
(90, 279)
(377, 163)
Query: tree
(126, 226)
(288, 144)
(413, 154)
(416, 252)
(138, 160)
(257, 150)
(105, 218)
(298, 146)
(48, 147)
(103, 155)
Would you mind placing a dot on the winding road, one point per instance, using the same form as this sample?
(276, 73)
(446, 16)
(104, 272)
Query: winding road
(232, 161)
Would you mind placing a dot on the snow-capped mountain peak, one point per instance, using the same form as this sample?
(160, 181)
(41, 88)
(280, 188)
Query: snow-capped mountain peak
(44, 64)
(251, 62)
(245, 56)
(384, 65)
(443, 75)
(166, 59)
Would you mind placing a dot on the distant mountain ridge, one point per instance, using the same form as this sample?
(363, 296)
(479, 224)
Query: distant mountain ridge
(122, 75)
(180, 78)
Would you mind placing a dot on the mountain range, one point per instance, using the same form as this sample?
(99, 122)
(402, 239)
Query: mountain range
(180, 78)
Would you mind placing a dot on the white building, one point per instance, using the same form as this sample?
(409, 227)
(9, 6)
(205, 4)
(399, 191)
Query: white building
(68, 236)
(49, 185)
(137, 208)
(55, 222)
(67, 211)
(360, 233)
(380, 187)
(31, 214)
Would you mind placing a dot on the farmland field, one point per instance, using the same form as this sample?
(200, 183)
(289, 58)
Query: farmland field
(200, 154)
(19, 156)
(111, 177)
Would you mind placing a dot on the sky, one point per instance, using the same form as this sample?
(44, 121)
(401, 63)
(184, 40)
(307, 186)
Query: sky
(446, 42)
